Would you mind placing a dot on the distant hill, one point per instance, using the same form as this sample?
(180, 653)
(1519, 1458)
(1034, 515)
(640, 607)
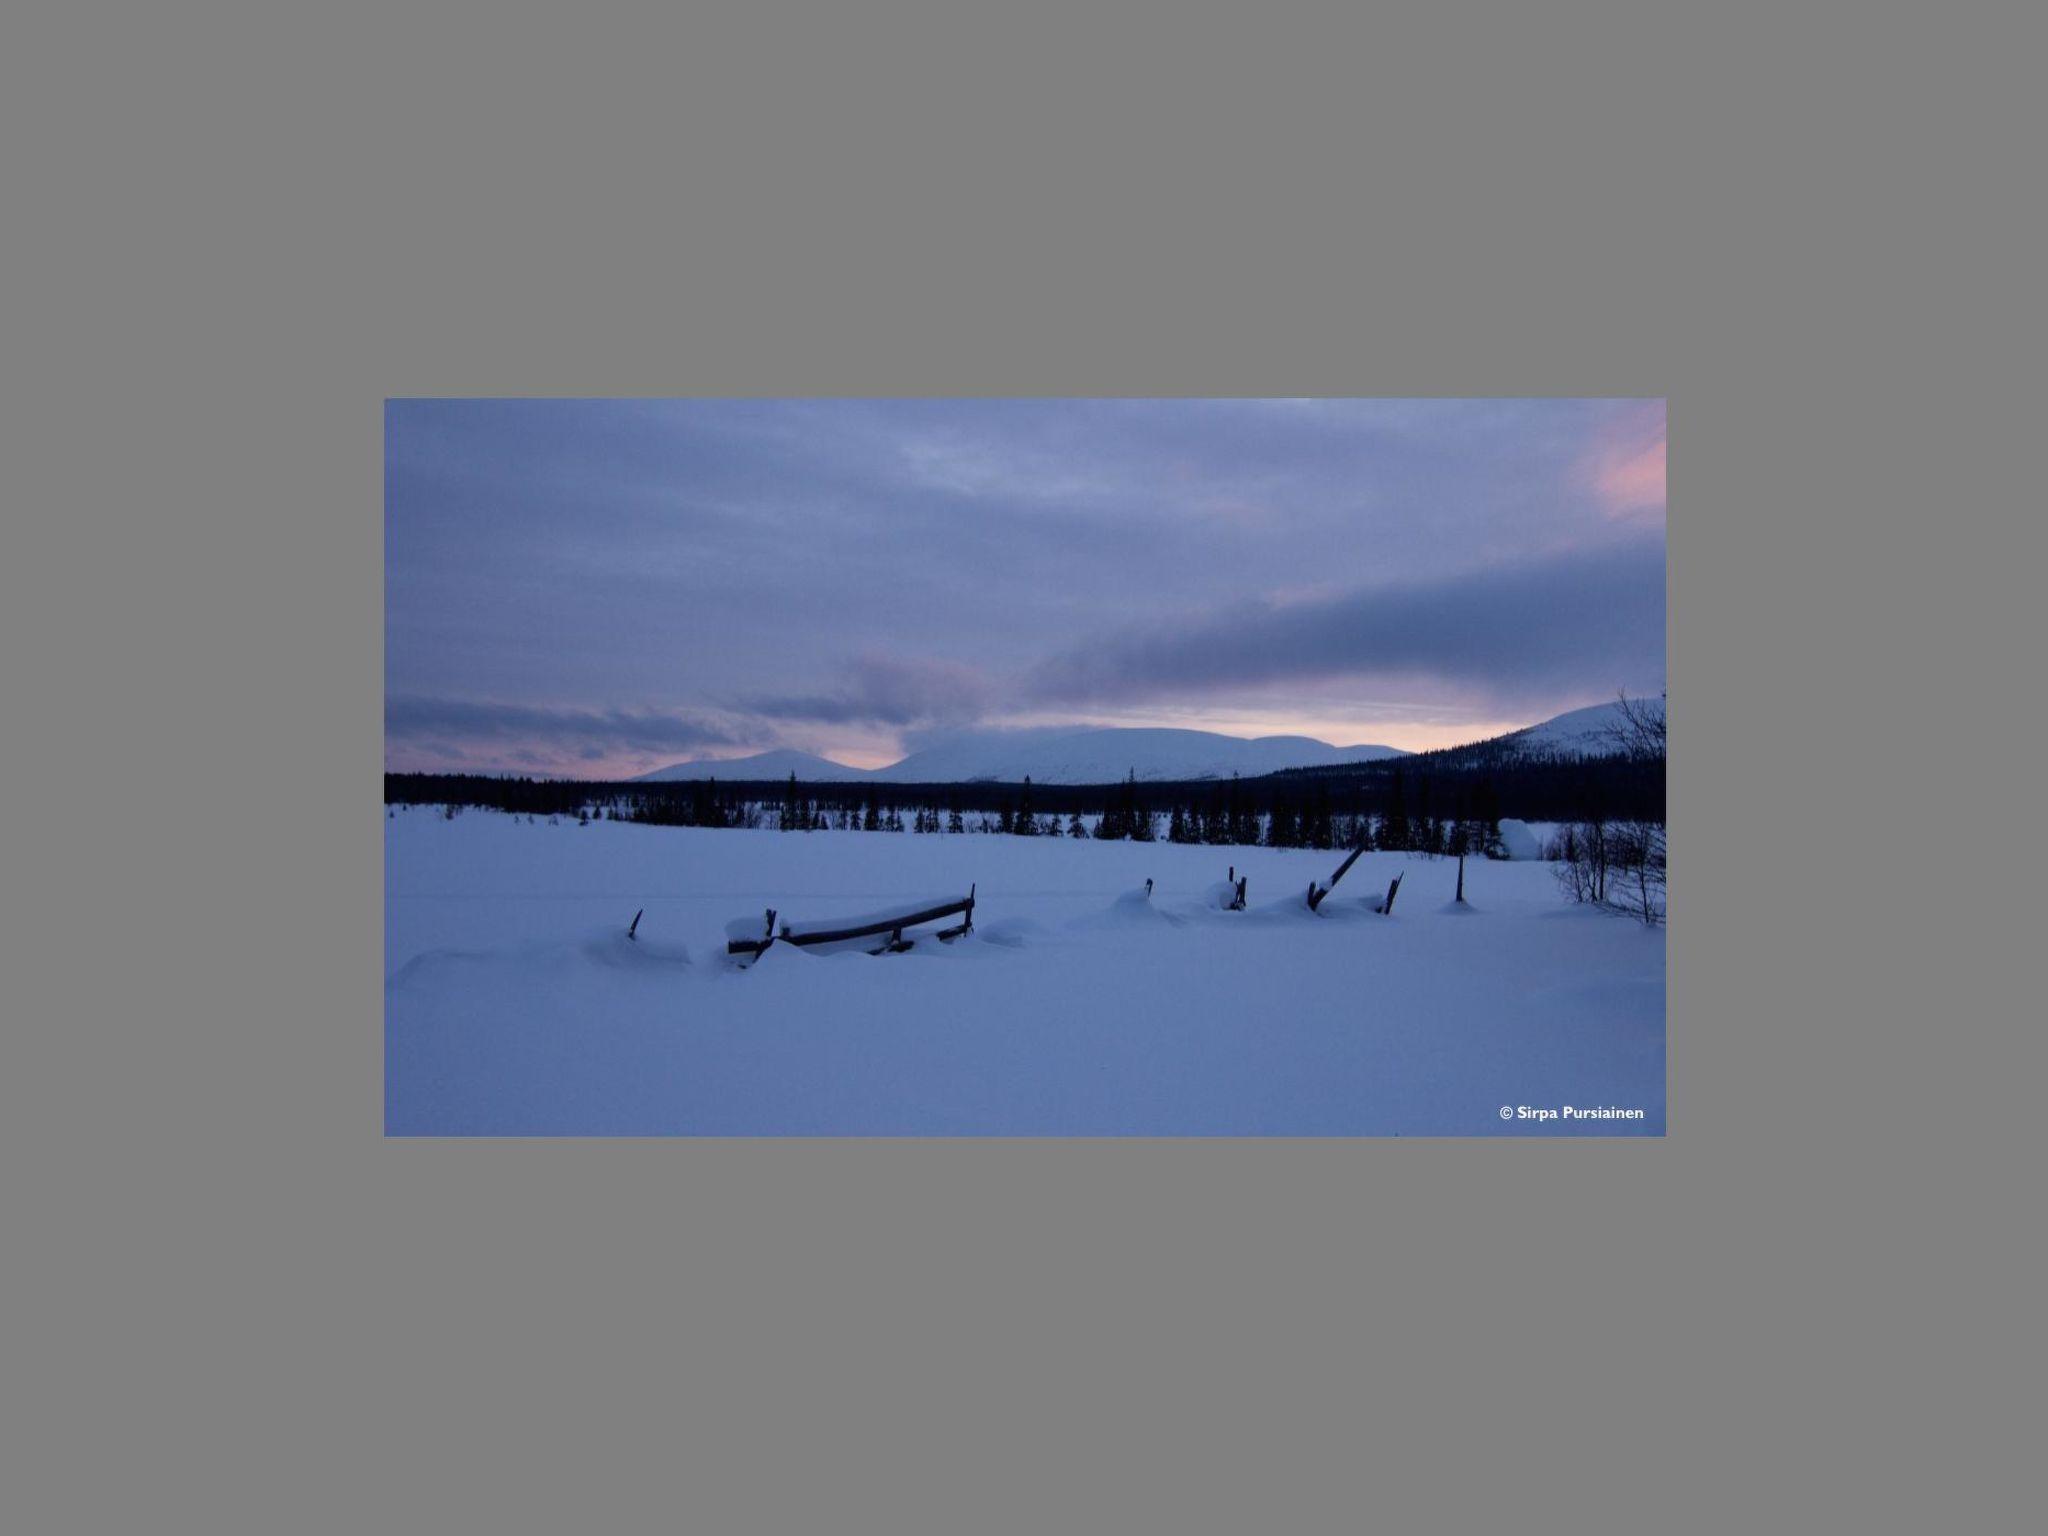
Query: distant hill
(1576, 736)
(779, 764)
(1588, 732)
(1105, 756)
(1080, 757)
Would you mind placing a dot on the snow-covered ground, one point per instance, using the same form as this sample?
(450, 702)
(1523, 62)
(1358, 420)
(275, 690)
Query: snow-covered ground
(515, 1003)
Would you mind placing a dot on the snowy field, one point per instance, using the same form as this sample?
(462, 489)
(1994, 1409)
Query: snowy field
(516, 1005)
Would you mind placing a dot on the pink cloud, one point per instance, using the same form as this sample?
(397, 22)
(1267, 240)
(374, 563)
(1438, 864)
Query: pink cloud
(1628, 473)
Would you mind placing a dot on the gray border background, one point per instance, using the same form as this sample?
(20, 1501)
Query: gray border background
(233, 230)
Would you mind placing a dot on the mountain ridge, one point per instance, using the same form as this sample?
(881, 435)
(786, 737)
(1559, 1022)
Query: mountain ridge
(1093, 756)
(1103, 755)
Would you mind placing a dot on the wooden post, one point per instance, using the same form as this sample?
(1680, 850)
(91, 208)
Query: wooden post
(1393, 888)
(1461, 878)
(635, 924)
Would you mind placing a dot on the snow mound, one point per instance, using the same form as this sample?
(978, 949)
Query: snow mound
(1008, 932)
(1518, 840)
(1135, 908)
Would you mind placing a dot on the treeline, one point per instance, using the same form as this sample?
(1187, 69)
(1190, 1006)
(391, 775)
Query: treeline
(1424, 814)
(1308, 805)
(1539, 789)
(522, 797)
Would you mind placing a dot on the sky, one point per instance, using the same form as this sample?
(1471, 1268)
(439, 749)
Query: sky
(596, 588)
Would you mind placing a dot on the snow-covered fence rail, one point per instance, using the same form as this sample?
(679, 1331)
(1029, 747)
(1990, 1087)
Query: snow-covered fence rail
(740, 939)
(1316, 893)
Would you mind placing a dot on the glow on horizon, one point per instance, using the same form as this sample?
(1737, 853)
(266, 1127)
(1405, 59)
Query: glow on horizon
(1408, 734)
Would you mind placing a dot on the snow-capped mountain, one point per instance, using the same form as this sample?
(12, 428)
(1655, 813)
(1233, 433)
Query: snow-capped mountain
(1078, 757)
(1589, 732)
(1105, 756)
(779, 764)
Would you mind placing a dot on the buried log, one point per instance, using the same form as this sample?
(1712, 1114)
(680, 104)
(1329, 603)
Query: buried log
(633, 927)
(892, 925)
(1316, 893)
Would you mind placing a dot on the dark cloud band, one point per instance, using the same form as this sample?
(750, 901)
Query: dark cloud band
(589, 732)
(887, 690)
(1594, 614)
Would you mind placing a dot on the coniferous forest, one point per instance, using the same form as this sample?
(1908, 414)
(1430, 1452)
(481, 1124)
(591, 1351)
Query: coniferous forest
(1423, 803)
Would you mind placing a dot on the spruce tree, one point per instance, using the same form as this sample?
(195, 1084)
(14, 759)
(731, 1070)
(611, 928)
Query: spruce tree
(1026, 824)
(1137, 821)
(1120, 818)
(1488, 816)
(1242, 825)
(1282, 831)
(1320, 833)
(1394, 819)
